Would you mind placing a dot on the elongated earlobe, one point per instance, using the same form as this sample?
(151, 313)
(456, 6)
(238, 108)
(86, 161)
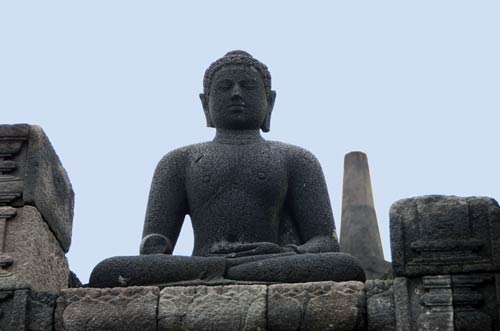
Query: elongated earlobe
(266, 125)
(204, 104)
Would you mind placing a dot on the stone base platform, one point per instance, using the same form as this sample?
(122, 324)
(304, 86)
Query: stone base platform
(306, 306)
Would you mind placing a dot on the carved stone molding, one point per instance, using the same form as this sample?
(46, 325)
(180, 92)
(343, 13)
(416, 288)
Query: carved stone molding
(6, 213)
(475, 302)
(433, 235)
(438, 304)
(13, 140)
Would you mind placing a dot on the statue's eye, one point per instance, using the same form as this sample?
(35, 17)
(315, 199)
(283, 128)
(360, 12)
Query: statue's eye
(224, 85)
(249, 84)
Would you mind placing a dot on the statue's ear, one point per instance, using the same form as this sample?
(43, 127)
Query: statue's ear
(266, 125)
(204, 104)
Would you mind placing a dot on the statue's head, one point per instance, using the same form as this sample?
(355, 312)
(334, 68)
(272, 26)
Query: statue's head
(237, 93)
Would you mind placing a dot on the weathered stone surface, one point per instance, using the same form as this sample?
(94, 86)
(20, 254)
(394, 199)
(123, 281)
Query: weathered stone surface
(41, 307)
(31, 174)
(402, 304)
(316, 306)
(359, 233)
(380, 305)
(435, 234)
(13, 310)
(424, 303)
(38, 261)
(436, 300)
(117, 309)
(221, 308)
(475, 302)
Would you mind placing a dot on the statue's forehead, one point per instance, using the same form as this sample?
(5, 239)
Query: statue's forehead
(236, 71)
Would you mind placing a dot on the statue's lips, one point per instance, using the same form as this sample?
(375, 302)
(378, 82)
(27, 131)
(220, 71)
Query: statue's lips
(237, 107)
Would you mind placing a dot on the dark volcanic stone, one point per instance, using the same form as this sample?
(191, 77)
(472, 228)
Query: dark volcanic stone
(154, 270)
(73, 280)
(300, 268)
(248, 199)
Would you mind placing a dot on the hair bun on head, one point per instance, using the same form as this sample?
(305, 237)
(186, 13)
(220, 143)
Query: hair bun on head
(238, 53)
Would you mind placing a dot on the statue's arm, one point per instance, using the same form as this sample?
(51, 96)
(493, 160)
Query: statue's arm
(167, 205)
(310, 204)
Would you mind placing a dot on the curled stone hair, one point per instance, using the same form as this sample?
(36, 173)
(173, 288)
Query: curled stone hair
(237, 58)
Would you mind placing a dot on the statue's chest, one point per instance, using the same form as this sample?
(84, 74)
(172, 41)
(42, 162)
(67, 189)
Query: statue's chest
(256, 171)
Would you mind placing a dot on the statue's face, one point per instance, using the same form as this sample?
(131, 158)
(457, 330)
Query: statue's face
(238, 99)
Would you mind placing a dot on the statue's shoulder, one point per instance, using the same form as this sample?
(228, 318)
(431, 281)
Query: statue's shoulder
(292, 153)
(180, 156)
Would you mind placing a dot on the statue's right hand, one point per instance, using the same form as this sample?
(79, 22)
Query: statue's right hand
(156, 244)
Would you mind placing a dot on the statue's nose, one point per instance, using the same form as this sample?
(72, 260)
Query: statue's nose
(236, 91)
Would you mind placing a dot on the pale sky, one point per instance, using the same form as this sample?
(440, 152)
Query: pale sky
(115, 86)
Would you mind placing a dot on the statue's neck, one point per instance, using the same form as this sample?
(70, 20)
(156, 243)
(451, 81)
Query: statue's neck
(237, 137)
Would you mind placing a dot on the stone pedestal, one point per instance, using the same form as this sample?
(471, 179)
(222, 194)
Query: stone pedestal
(306, 306)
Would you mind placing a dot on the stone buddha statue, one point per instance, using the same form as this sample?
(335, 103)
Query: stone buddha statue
(260, 209)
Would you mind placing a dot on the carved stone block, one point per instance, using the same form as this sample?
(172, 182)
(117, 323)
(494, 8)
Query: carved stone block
(41, 307)
(316, 306)
(466, 302)
(32, 255)
(476, 302)
(115, 309)
(424, 304)
(13, 310)
(31, 174)
(434, 235)
(221, 308)
(380, 305)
